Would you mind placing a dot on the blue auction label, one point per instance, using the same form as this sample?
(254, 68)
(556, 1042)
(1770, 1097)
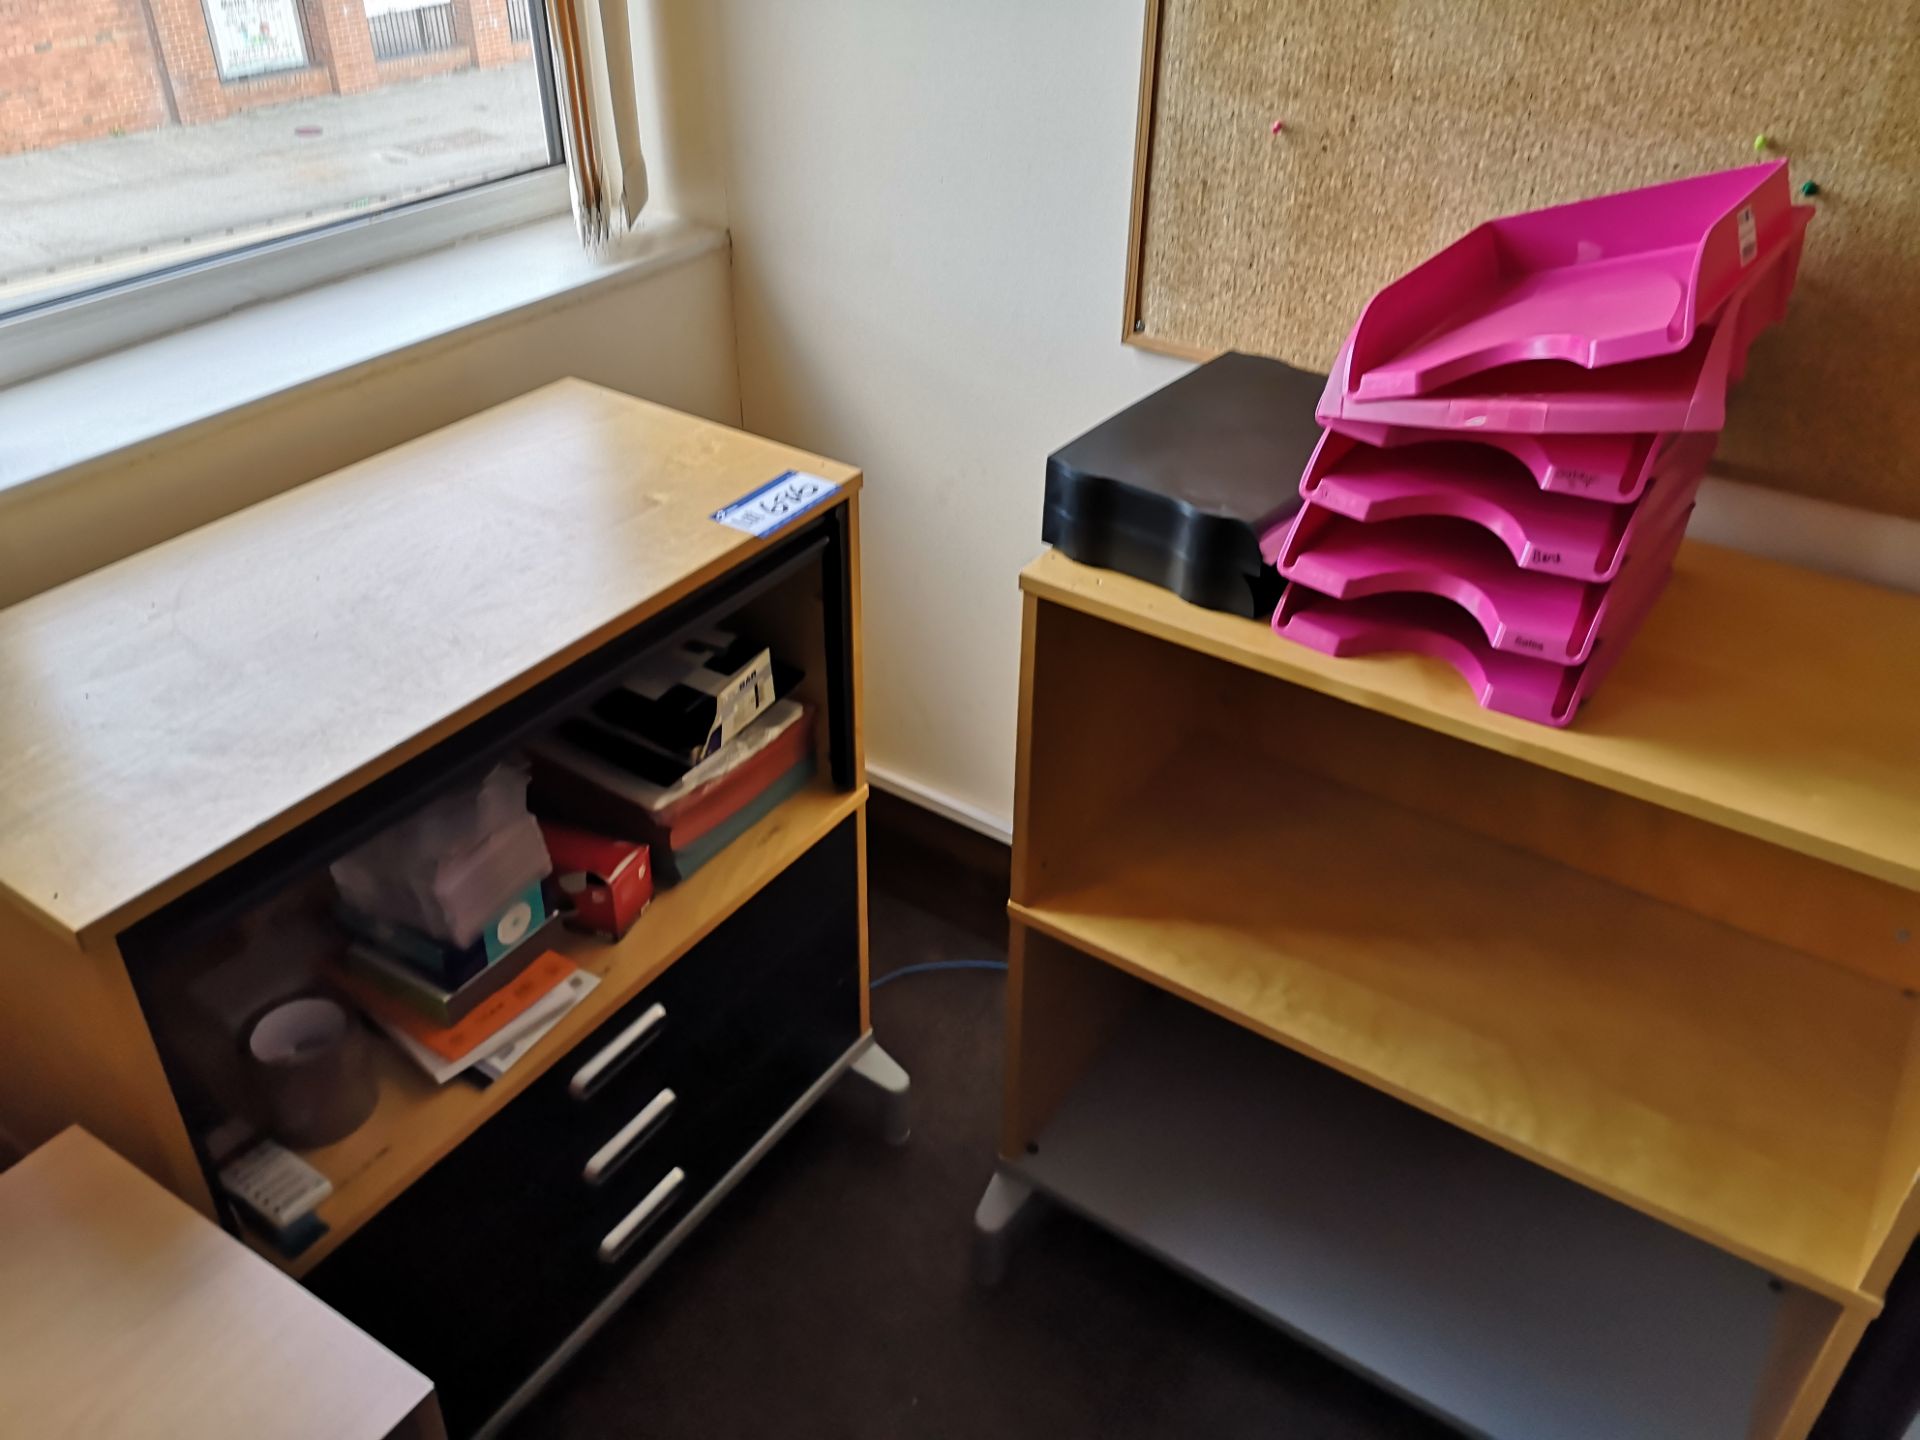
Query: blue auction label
(781, 500)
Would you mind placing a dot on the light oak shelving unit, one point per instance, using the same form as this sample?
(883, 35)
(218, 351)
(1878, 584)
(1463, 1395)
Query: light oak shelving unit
(1606, 1035)
(188, 737)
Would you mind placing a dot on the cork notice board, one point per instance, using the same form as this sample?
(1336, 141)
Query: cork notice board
(1408, 124)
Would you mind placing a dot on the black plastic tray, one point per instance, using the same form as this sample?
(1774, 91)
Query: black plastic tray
(1177, 488)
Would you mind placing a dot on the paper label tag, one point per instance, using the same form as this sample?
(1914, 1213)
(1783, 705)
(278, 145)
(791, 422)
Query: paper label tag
(744, 697)
(511, 927)
(1749, 236)
(783, 499)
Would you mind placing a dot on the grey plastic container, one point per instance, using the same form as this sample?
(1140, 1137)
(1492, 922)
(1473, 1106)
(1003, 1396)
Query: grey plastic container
(1177, 488)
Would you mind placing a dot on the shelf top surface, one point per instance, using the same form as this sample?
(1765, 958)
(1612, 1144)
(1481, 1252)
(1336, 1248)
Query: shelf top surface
(1762, 697)
(124, 1313)
(171, 713)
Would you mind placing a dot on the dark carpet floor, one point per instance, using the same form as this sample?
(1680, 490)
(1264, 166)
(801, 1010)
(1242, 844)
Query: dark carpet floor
(830, 1295)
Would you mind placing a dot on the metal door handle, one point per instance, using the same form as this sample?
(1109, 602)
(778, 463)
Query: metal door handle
(627, 1138)
(617, 1051)
(624, 1234)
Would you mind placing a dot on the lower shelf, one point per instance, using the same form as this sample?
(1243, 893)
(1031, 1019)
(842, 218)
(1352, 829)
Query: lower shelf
(416, 1123)
(1737, 1089)
(1507, 1300)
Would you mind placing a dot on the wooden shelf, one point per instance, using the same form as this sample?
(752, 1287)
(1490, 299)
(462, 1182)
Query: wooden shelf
(1505, 1299)
(417, 1122)
(1736, 1089)
(1770, 700)
(168, 715)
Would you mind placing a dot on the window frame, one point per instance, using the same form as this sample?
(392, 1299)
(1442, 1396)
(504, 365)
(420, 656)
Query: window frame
(67, 330)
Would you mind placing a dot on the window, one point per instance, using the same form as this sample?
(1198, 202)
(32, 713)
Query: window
(141, 138)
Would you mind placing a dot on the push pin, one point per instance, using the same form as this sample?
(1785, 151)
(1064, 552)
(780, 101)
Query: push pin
(1278, 126)
(1762, 143)
(1810, 189)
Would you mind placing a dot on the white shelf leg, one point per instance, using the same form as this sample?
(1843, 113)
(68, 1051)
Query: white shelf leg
(1005, 1211)
(895, 1089)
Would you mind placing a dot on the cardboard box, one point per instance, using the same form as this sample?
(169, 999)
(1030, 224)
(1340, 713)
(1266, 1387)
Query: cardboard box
(599, 884)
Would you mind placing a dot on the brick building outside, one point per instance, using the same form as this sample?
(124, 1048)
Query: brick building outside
(74, 70)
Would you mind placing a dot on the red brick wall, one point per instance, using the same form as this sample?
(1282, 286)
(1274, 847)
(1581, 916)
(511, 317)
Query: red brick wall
(339, 39)
(80, 69)
(483, 25)
(73, 70)
(199, 92)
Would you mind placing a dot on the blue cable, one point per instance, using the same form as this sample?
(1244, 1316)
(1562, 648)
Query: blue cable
(927, 967)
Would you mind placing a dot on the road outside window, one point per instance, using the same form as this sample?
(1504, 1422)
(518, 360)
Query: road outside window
(141, 135)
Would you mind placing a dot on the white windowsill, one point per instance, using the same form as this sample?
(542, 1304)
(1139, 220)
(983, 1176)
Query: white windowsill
(57, 423)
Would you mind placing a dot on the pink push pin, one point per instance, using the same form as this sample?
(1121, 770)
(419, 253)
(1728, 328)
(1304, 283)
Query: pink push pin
(1278, 126)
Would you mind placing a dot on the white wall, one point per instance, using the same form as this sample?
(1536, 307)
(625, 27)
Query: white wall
(666, 336)
(929, 210)
(928, 203)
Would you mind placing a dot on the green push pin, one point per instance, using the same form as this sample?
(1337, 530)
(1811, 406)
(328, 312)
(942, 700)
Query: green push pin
(1761, 144)
(1810, 189)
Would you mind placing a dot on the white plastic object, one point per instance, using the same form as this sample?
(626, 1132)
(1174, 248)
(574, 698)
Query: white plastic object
(589, 1077)
(622, 1235)
(608, 1156)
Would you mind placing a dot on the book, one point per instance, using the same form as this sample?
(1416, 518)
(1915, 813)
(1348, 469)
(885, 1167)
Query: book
(471, 1033)
(439, 1004)
(451, 966)
(513, 1040)
(684, 817)
(676, 865)
(497, 1063)
(444, 964)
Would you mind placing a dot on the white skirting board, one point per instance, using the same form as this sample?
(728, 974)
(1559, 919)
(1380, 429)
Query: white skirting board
(1509, 1301)
(949, 807)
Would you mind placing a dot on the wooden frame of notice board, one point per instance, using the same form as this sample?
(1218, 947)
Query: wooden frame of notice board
(1133, 325)
(1271, 255)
